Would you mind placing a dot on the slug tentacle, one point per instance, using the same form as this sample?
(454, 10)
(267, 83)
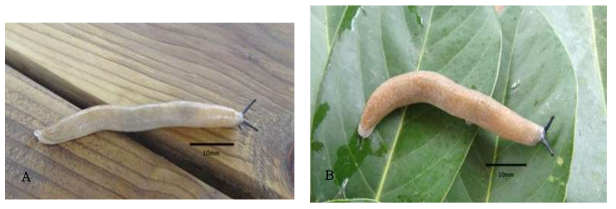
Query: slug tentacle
(244, 121)
(543, 140)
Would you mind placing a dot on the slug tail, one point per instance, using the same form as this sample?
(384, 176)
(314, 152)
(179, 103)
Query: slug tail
(41, 138)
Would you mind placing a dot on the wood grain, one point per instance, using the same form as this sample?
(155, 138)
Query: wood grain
(102, 165)
(225, 64)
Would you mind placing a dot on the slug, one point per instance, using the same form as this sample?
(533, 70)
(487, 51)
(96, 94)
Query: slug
(457, 100)
(141, 118)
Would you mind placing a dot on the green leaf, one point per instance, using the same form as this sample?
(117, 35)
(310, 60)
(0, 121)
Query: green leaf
(351, 200)
(581, 31)
(599, 15)
(541, 74)
(325, 21)
(539, 84)
(415, 152)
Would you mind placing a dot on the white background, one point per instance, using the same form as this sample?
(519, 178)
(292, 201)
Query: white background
(289, 11)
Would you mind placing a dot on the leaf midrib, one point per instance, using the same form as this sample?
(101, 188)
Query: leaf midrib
(386, 168)
(577, 101)
(596, 60)
(330, 46)
(329, 49)
(504, 100)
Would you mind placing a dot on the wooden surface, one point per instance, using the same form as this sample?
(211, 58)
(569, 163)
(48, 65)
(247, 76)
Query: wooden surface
(102, 165)
(225, 64)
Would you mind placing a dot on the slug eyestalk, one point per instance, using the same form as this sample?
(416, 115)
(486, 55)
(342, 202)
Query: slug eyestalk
(543, 140)
(245, 122)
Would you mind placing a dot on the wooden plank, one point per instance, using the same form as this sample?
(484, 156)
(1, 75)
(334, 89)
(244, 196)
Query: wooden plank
(225, 64)
(102, 165)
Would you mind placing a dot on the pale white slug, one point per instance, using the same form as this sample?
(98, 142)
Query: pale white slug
(440, 91)
(141, 118)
